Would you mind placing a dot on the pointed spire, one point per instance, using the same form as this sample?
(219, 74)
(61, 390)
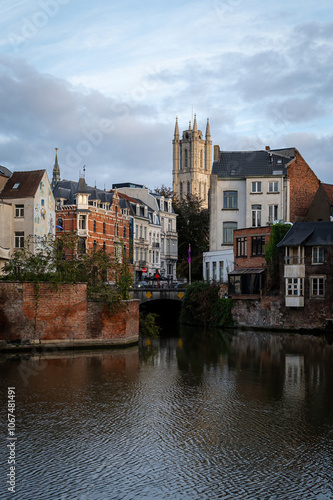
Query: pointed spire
(207, 130)
(195, 126)
(56, 170)
(176, 129)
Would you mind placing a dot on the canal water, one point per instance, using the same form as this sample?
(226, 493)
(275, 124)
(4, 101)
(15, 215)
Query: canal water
(215, 415)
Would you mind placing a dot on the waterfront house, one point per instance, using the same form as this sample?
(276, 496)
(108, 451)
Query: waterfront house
(307, 281)
(252, 189)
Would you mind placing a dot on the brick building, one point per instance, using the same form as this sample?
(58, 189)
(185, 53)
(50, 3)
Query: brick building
(254, 189)
(249, 275)
(321, 208)
(94, 216)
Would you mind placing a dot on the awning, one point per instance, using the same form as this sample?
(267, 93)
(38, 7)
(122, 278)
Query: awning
(248, 271)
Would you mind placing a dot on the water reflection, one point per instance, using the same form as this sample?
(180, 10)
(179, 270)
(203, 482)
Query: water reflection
(203, 416)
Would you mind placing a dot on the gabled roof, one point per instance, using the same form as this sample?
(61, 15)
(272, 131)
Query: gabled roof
(23, 184)
(251, 163)
(308, 234)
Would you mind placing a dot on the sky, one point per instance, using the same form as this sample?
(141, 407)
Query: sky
(104, 81)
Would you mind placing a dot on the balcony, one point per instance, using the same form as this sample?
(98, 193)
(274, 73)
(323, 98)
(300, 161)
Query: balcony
(82, 233)
(294, 267)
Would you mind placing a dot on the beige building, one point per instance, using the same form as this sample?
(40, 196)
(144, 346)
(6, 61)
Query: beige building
(32, 206)
(192, 162)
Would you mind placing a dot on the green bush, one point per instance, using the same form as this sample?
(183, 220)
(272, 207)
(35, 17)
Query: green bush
(203, 306)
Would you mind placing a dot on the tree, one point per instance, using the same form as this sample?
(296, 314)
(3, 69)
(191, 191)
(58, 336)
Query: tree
(49, 264)
(278, 231)
(164, 191)
(193, 229)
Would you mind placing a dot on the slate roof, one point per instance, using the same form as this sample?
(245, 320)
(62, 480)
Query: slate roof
(308, 234)
(5, 171)
(68, 189)
(251, 163)
(27, 184)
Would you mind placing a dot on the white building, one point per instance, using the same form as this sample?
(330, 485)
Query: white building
(253, 189)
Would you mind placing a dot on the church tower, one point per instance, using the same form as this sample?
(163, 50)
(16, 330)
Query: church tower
(56, 171)
(192, 162)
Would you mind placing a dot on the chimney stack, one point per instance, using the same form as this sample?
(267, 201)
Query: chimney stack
(268, 148)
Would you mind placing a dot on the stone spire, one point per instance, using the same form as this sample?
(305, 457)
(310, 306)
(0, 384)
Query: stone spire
(195, 126)
(189, 125)
(56, 170)
(207, 130)
(176, 129)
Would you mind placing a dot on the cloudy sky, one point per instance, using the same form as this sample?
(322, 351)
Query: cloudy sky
(103, 81)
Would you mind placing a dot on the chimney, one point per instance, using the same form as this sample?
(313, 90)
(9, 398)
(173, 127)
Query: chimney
(268, 148)
(216, 153)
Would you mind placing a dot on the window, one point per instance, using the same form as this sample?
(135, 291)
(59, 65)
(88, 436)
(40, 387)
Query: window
(181, 190)
(19, 239)
(273, 213)
(214, 271)
(273, 187)
(82, 222)
(188, 188)
(256, 215)
(104, 228)
(294, 287)
(228, 232)
(241, 247)
(221, 270)
(94, 226)
(124, 232)
(104, 246)
(258, 245)
(16, 185)
(317, 286)
(169, 224)
(256, 187)
(19, 210)
(317, 255)
(230, 199)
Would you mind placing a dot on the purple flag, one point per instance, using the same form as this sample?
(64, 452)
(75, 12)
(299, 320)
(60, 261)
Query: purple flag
(189, 254)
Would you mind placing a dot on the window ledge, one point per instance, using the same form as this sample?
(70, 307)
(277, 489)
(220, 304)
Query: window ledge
(227, 209)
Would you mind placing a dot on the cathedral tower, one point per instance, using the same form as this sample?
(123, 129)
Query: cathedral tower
(192, 162)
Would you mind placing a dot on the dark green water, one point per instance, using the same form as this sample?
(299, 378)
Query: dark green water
(244, 416)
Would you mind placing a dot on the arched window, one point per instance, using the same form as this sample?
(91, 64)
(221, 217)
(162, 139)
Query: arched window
(104, 228)
(94, 226)
(186, 158)
(104, 246)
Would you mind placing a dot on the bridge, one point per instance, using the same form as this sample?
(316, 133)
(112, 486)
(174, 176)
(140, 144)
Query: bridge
(151, 294)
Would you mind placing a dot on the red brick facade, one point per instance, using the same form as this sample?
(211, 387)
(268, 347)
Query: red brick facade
(249, 246)
(303, 186)
(46, 312)
(106, 229)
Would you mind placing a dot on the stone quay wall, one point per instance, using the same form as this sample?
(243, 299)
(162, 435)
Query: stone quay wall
(44, 312)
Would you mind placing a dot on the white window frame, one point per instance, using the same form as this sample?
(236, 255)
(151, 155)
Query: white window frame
(295, 287)
(315, 286)
(19, 239)
(273, 213)
(19, 211)
(273, 187)
(256, 187)
(256, 215)
(317, 255)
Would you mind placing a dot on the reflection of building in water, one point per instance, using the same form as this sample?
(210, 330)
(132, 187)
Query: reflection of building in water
(294, 380)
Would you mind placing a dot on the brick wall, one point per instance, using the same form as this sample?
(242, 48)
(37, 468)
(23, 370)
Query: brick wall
(251, 261)
(303, 187)
(63, 313)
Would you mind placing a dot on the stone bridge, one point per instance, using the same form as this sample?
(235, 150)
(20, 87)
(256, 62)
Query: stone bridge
(150, 294)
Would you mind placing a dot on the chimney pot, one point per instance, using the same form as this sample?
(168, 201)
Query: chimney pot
(268, 148)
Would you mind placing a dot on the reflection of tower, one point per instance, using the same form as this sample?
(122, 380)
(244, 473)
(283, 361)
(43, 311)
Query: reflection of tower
(294, 378)
(192, 162)
(56, 171)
